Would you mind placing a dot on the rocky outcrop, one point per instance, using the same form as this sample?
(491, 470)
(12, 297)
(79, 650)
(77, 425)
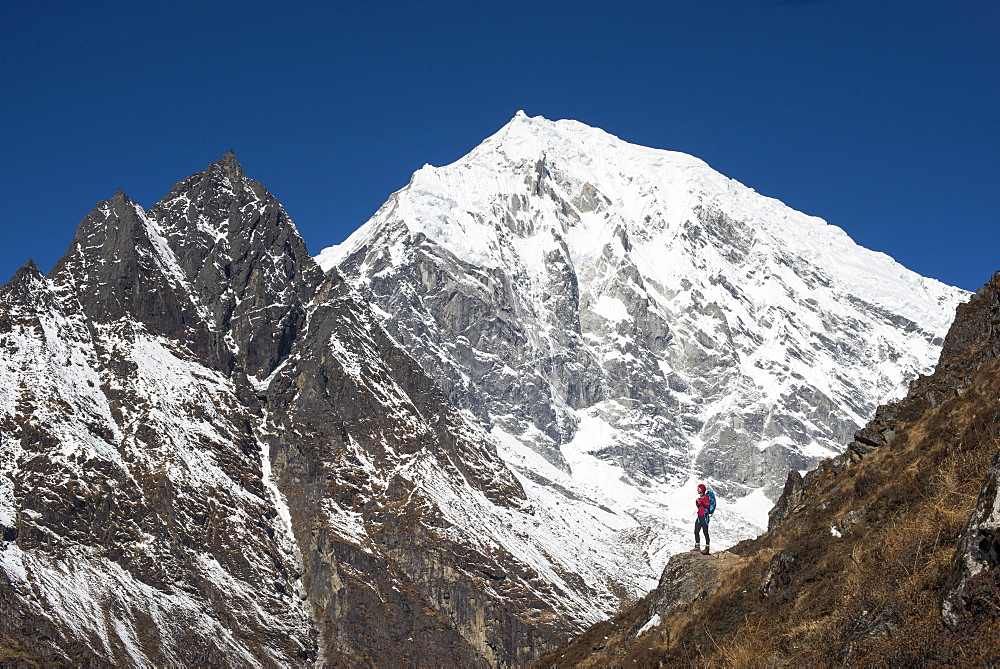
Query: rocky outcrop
(974, 339)
(791, 495)
(687, 578)
(975, 588)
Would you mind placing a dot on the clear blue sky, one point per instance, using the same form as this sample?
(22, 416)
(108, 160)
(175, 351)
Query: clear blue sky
(881, 116)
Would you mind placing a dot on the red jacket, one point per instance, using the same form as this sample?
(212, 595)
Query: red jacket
(703, 503)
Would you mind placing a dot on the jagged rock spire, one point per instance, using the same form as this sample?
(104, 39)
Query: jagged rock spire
(243, 258)
(22, 283)
(28, 270)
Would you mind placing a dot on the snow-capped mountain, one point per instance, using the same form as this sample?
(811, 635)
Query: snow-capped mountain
(462, 436)
(214, 454)
(626, 322)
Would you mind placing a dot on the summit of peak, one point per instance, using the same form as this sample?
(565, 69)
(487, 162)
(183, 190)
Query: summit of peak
(522, 117)
(118, 205)
(120, 197)
(229, 158)
(530, 133)
(229, 166)
(575, 140)
(27, 271)
(24, 281)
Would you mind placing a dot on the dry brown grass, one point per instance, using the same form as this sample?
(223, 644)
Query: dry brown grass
(752, 648)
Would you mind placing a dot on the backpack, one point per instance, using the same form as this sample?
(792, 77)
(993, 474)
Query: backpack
(711, 502)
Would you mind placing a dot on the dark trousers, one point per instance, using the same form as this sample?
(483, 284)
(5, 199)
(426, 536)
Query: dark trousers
(699, 525)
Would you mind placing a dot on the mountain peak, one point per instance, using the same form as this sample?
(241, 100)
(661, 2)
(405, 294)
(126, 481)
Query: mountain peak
(227, 232)
(120, 198)
(29, 269)
(592, 170)
(585, 147)
(229, 166)
(27, 275)
(521, 117)
(230, 161)
(597, 285)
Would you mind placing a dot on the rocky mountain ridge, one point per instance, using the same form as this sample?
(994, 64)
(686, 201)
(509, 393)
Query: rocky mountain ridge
(130, 469)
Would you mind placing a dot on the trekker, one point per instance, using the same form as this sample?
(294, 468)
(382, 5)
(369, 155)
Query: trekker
(704, 504)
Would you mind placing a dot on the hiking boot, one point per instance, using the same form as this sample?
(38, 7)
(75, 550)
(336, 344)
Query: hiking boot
(697, 548)
(706, 551)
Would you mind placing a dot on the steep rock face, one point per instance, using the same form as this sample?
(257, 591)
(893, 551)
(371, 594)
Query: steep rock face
(243, 259)
(626, 322)
(118, 268)
(374, 462)
(138, 525)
